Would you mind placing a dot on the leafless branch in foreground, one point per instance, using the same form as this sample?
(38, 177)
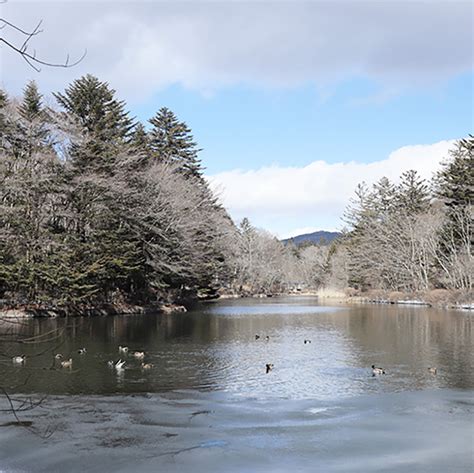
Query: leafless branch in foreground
(24, 405)
(23, 50)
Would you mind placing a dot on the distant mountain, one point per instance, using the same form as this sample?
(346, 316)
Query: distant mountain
(320, 237)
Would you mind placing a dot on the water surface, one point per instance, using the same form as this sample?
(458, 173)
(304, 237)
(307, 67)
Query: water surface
(208, 405)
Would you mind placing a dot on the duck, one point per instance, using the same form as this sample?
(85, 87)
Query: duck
(119, 366)
(82, 351)
(376, 371)
(147, 366)
(257, 337)
(307, 341)
(139, 355)
(66, 363)
(267, 338)
(433, 370)
(58, 356)
(123, 349)
(20, 359)
(268, 367)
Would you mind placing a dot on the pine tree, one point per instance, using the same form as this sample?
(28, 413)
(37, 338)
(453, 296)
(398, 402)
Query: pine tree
(31, 107)
(98, 174)
(30, 171)
(383, 196)
(412, 194)
(94, 104)
(171, 141)
(246, 228)
(139, 139)
(454, 185)
(455, 181)
(4, 119)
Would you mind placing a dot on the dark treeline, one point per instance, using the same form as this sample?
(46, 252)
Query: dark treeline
(95, 208)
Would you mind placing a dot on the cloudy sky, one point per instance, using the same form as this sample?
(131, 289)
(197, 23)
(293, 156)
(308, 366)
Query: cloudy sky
(293, 103)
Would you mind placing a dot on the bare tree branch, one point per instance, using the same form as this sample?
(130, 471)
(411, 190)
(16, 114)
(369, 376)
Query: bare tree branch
(30, 58)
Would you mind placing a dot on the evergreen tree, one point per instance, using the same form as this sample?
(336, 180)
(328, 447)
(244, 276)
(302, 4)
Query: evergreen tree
(3, 99)
(246, 228)
(139, 139)
(4, 119)
(93, 103)
(31, 107)
(171, 141)
(28, 196)
(383, 198)
(454, 185)
(455, 181)
(98, 175)
(412, 194)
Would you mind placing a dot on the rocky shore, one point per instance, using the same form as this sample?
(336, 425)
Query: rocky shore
(30, 311)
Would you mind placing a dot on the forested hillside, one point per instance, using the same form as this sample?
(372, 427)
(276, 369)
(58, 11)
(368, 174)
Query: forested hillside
(317, 238)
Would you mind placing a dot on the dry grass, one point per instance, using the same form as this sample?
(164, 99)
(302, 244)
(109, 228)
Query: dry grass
(447, 297)
(331, 293)
(396, 296)
(351, 292)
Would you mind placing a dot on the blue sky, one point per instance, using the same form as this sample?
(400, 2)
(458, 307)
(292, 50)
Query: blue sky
(248, 127)
(293, 102)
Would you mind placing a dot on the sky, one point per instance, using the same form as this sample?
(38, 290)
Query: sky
(293, 103)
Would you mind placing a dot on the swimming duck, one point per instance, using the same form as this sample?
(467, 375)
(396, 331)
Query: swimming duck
(307, 341)
(82, 351)
(376, 371)
(433, 370)
(139, 355)
(147, 366)
(268, 367)
(66, 363)
(123, 349)
(267, 338)
(19, 359)
(257, 337)
(58, 356)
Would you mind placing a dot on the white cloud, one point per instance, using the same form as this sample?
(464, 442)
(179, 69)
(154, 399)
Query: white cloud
(142, 46)
(282, 199)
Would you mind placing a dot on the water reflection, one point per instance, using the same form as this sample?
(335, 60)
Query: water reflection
(214, 348)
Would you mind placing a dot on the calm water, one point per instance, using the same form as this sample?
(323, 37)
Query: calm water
(208, 405)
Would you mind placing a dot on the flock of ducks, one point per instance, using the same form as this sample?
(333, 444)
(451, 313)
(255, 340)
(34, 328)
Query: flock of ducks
(117, 365)
(376, 370)
(140, 355)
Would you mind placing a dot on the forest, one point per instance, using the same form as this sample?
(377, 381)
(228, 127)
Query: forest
(97, 208)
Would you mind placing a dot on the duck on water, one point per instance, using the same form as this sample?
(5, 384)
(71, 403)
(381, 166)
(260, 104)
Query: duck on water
(376, 371)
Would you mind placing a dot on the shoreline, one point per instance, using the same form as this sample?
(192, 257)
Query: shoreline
(334, 296)
(90, 311)
(437, 298)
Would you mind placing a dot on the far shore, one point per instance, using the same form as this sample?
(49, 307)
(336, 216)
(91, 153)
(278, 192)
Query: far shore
(440, 298)
(436, 298)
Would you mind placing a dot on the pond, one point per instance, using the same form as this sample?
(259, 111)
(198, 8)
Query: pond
(208, 404)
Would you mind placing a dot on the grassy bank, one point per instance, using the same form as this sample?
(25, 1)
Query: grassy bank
(433, 298)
